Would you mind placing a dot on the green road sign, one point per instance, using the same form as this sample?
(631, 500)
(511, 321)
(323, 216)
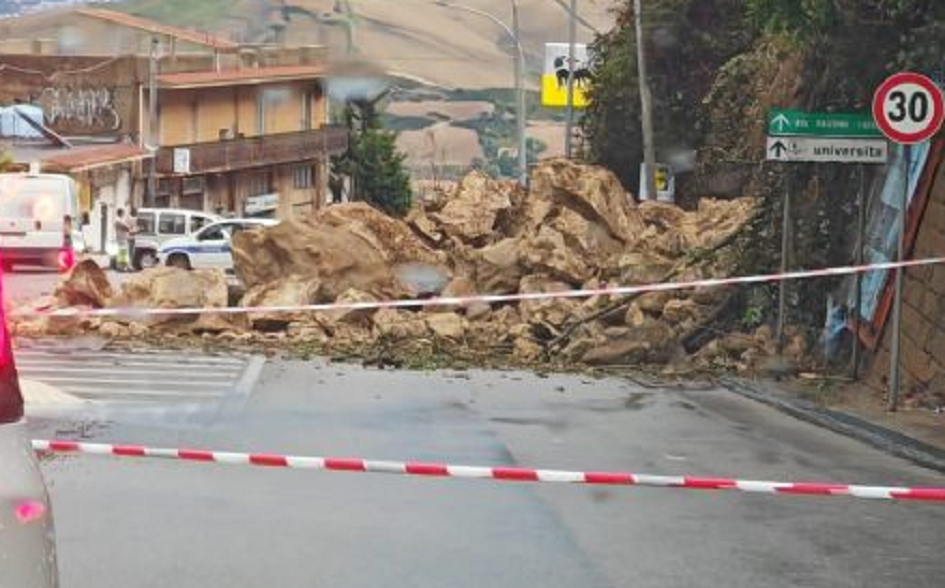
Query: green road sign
(795, 123)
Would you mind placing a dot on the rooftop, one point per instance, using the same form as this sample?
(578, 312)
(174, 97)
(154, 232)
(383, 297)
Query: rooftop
(242, 77)
(80, 158)
(128, 20)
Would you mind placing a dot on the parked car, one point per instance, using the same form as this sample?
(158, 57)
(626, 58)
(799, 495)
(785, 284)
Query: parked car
(157, 226)
(210, 246)
(39, 220)
(27, 539)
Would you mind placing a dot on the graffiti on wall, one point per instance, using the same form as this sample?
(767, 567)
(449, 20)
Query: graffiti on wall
(75, 107)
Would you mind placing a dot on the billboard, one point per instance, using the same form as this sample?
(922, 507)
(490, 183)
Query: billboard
(554, 79)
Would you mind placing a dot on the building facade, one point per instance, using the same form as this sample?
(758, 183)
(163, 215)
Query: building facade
(240, 130)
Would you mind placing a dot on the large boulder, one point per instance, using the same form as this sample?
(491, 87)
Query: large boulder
(547, 252)
(593, 192)
(344, 246)
(292, 291)
(85, 285)
(390, 236)
(472, 212)
(170, 287)
(673, 232)
(497, 267)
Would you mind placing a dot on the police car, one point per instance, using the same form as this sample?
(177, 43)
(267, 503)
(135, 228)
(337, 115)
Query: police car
(208, 248)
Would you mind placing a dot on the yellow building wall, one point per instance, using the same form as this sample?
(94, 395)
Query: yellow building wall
(216, 111)
(176, 117)
(246, 120)
(198, 115)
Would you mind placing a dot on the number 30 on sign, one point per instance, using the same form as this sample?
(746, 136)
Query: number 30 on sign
(908, 108)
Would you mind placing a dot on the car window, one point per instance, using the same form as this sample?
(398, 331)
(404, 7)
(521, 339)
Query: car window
(172, 223)
(146, 222)
(214, 233)
(198, 222)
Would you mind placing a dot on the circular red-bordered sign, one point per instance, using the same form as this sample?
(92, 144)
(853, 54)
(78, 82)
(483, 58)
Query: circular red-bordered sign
(908, 108)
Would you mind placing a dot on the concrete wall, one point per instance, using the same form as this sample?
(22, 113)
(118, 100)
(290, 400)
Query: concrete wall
(923, 326)
(79, 95)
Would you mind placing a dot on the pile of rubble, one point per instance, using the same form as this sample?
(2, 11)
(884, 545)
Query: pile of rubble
(575, 228)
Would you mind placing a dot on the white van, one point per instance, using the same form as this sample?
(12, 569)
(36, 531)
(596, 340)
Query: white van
(39, 220)
(157, 225)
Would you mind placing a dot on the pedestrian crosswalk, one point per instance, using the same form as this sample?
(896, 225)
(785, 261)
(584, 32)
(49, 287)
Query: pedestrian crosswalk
(138, 375)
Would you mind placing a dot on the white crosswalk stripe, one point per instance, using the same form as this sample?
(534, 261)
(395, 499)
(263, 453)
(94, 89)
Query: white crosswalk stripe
(138, 375)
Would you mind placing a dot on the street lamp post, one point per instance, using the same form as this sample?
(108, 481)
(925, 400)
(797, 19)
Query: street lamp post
(646, 105)
(519, 76)
(572, 35)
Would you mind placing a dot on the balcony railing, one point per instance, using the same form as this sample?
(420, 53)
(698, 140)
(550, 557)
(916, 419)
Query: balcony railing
(231, 154)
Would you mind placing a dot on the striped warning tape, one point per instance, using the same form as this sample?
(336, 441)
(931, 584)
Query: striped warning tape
(133, 312)
(504, 474)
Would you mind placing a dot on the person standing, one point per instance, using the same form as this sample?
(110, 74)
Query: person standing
(122, 233)
(133, 228)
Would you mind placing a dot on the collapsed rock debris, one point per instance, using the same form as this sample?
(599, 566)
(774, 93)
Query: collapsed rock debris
(576, 227)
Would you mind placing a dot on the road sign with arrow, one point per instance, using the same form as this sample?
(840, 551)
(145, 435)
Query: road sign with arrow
(826, 150)
(795, 123)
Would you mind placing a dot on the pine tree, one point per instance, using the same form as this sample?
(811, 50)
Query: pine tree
(373, 163)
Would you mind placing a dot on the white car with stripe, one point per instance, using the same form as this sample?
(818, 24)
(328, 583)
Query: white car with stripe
(208, 248)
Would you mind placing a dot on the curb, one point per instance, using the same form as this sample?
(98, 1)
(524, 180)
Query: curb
(882, 438)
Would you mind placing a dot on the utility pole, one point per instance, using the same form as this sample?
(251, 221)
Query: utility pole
(152, 142)
(520, 98)
(572, 38)
(646, 105)
(892, 400)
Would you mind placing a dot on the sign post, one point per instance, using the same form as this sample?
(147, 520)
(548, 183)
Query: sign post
(909, 109)
(795, 136)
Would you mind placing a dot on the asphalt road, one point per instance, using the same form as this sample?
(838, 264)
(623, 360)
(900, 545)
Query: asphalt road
(24, 284)
(127, 523)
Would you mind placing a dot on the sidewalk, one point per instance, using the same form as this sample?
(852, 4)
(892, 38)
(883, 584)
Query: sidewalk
(40, 395)
(916, 436)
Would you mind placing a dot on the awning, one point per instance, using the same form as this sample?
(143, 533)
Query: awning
(88, 158)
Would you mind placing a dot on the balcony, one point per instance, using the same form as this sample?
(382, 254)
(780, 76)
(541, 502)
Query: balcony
(233, 154)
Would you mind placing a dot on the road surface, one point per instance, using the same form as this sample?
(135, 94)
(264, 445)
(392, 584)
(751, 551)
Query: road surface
(156, 524)
(24, 284)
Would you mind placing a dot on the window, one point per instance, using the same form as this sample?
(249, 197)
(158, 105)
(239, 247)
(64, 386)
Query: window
(194, 185)
(214, 233)
(165, 186)
(254, 184)
(304, 176)
(171, 223)
(146, 222)
(197, 222)
(307, 99)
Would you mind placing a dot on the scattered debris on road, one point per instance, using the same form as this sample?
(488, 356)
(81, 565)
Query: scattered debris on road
(576, 227)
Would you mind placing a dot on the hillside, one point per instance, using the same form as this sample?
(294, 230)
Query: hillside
(446, 46)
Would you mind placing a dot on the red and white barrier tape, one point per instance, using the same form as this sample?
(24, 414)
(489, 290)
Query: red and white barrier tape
(133, 312)
(503, 474)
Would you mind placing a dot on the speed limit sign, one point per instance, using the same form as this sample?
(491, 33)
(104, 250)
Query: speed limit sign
(908, 108)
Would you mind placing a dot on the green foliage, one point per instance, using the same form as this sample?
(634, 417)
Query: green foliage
(374, 164)
(686, 41)
(798, 18)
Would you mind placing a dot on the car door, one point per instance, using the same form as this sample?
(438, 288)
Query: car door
(212, 248)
